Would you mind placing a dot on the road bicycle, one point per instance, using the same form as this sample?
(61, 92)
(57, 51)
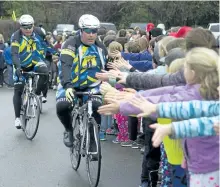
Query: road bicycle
(30, 108)
(85, 127)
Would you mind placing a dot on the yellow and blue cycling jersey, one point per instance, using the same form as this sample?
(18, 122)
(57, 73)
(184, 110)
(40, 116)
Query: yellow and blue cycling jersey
(79, 64)
(28, 51)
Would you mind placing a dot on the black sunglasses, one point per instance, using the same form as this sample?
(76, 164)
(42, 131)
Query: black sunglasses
(27, 27)
(88, 30)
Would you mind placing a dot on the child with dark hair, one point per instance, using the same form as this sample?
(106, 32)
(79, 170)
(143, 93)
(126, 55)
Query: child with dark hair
(122, 33)
(122, 39)
(155, 32)
(108, 39)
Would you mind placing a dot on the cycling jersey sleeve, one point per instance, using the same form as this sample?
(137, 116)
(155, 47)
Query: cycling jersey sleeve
(15, 50)
(48, 47)
(66, 58)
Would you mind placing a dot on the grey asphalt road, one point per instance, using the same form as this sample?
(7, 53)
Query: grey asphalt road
(45, 162)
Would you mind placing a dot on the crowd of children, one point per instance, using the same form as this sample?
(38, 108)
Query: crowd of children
(160, 96)
(161, 88)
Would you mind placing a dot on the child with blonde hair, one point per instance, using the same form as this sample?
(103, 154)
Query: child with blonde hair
(115, 46)
(176, 65)
(162, 44)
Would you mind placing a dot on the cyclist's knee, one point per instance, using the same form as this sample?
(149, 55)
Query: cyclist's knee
(63, 106)
(41, 67)
(18, 88)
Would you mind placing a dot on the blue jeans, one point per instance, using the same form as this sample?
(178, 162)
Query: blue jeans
(106, 122)
(10, 75)
(179, 176)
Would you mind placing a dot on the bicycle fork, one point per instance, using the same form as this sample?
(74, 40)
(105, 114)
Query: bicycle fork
(86, 138)
(30, 108)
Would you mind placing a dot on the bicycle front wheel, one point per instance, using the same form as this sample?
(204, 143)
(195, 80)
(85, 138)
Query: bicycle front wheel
(32, 116)
(75, 155)
(93, 158)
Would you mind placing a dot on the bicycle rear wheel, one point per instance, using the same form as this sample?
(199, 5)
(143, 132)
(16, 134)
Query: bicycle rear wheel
(93, 162)
(6, 77)
(32, 113)
(75, 155)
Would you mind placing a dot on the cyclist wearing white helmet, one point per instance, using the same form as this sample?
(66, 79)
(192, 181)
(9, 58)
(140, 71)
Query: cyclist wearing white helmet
(82, 56)
(28, 49)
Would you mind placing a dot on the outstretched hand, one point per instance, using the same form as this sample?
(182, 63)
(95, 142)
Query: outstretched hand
(111, 108)
(160, 132)
(144, 105)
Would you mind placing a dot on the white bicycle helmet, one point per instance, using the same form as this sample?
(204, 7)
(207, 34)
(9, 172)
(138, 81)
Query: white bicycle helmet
(89, 21)
(26, 20)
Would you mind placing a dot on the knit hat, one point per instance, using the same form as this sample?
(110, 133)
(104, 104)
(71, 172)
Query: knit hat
(149, 27)
(162, 26)
(181, 33)
(172, 55)
(156, 32)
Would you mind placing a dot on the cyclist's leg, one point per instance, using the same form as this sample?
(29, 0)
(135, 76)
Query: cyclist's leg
(41, 67)
(17, 101)
(55, 76)
(48, 63)
(96, 103)
(63, 108)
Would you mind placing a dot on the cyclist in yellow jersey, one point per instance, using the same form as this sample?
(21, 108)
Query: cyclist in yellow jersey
(28, 49)
(82, 56)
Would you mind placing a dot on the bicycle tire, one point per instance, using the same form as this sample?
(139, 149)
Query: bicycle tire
(41, 106)
(6, 77)
(37, 106)
(76, 146)
(88, 159)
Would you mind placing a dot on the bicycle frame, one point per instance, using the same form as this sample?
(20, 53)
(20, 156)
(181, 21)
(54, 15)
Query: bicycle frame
(27, 90)
(85, 116)
(30, 89)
